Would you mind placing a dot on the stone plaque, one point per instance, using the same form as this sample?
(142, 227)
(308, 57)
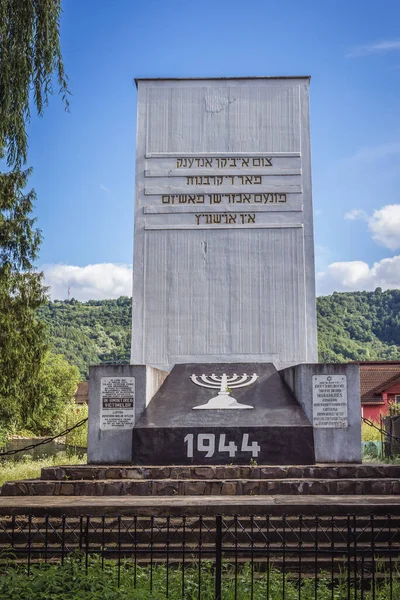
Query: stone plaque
(224, 254)
(330, 401)
(117, 403)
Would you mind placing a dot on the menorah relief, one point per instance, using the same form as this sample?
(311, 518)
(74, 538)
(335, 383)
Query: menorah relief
(225, 384)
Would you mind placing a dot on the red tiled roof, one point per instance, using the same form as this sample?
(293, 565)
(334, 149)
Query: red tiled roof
(375, 378)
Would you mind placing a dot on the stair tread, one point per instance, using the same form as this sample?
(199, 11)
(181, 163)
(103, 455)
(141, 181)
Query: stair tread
(204, 480)
(148, 505)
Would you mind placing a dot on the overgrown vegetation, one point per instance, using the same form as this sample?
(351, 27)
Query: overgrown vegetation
(72, 580)
(74, 414)
(42, 412)
(369, 433)
(30, 469)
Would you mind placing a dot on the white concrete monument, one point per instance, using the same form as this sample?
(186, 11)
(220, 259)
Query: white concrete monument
(224, 289)
(224, 254)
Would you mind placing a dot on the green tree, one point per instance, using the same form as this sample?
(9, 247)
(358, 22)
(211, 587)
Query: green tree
(22, 338)
(57, 383)
(30, 58)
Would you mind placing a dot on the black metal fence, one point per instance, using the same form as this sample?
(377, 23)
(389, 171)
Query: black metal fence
(286, 557)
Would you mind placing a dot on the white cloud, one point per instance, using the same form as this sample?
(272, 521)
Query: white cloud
(385, 226)
(92, 282)
(358, 275)
(371, 154)
(356, 214)
(375, 48)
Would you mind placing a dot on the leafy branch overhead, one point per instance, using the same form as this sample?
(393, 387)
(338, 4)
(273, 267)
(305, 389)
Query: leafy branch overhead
(30, 60)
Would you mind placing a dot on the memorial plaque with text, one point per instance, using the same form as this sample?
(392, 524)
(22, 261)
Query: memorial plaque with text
(117, 403)
(330, 401)
(224, 259)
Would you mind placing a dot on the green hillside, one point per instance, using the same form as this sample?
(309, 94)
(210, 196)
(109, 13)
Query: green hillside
(89, 333)
(359, 326)
(351, 326)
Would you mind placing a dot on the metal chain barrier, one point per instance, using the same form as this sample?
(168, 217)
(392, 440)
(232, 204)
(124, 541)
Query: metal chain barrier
(83, 421)
(383, 431)
(45, 441)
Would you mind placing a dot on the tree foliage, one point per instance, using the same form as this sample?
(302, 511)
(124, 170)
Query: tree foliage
(93, 332)
(30, 55)
(351, 326)
(22, 340)
(57, 382)
(359, 326)
(29, 58)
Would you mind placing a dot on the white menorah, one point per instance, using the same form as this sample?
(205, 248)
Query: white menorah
(225, 384)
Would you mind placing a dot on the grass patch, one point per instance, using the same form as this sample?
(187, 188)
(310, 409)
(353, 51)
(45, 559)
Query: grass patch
(30, 469)
(74, 579)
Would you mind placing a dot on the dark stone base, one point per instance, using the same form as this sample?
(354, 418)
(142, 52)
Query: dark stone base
(274, 431)
(278, 446)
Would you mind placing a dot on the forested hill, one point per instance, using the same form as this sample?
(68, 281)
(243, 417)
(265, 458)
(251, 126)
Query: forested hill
(351, 326)
(89, 333)
(359, 326)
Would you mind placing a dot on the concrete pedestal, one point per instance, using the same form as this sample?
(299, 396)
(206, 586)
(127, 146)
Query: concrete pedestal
(118, 395)
(225, 413)
(332, 445)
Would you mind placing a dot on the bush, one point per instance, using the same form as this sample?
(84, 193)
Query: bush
(369, 433)
(74, 414)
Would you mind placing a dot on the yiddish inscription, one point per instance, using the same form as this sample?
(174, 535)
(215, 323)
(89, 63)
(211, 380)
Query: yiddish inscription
(224, 180)
(226, 218)
(223, 163)
(223, 199)
(117, 403)
(267, 182)
(330, 401)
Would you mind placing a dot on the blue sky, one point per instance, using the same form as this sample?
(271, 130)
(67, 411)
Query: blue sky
(84, 160)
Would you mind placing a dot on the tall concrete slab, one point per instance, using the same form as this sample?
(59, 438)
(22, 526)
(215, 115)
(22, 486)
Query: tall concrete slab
(224, 254)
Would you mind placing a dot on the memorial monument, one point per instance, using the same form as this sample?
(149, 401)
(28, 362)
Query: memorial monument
(224, 252)
(224, 349)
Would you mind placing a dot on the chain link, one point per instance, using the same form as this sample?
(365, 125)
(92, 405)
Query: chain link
(383, 431)
(46, 441)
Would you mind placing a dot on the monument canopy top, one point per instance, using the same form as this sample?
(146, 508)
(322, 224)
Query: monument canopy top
(137, 79)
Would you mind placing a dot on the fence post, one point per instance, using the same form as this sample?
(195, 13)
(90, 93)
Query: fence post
(218, 557)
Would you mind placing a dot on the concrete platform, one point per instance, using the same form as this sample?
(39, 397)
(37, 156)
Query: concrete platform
(200, 505)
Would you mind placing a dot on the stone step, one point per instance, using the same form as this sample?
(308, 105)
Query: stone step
(196, 472)
(195, 487)
(110, 506)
